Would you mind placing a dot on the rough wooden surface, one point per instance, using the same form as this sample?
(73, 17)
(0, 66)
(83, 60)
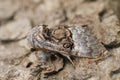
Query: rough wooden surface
(17, 17)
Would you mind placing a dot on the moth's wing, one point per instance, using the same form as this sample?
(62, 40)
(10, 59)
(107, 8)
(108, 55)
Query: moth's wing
(85, 44)
(37, 40)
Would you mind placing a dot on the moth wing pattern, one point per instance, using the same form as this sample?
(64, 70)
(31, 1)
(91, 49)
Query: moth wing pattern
(85, 43)
(37, 40)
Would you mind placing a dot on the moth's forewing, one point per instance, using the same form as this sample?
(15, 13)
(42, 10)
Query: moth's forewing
(37, 40)
(85, 43)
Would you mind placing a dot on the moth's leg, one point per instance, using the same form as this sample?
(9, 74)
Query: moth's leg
(70, 60)
(68, 57)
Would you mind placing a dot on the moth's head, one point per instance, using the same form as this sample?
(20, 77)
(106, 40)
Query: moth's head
(34, 35)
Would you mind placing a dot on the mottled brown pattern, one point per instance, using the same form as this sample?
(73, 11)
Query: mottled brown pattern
(66, 40)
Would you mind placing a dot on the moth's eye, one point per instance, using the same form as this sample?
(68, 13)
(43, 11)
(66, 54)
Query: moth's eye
(66, 45)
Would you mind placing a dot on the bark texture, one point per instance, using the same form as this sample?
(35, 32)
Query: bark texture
(17, 17)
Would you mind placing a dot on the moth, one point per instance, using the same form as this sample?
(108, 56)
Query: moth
(67, 40)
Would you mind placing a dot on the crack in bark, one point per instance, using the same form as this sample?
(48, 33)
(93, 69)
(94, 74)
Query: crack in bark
(7, 41)
(115, 72)
(112, 45)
